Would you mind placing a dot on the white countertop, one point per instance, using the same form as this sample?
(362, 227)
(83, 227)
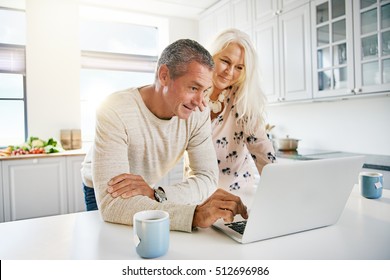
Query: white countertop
(79, 152)
(363, 232)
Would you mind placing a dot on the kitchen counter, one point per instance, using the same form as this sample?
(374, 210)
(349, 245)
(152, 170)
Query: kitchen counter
(373, 163)
(362, 232)
(30, 156)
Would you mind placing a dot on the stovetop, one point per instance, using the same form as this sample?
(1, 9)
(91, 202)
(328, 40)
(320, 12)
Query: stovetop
(379, 162)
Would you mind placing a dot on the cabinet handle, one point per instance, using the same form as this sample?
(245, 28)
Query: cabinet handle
(357, 90)
(277, 12)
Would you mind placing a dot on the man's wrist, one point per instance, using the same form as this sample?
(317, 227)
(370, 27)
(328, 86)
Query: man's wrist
(159, 195)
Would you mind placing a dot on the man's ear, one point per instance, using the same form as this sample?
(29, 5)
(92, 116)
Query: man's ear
(163, 75)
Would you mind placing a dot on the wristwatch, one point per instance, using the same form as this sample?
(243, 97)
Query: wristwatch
(160, 195)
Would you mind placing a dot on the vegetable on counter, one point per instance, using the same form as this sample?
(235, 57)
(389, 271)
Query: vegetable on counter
(34, 145)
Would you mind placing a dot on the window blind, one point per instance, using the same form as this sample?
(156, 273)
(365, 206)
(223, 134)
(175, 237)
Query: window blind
(12, 59)
(120, 62)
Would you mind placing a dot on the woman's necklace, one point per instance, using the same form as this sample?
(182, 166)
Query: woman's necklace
(216, 106)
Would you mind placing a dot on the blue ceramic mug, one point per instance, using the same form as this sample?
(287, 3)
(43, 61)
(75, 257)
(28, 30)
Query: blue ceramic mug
(371, 184)
(151, 233)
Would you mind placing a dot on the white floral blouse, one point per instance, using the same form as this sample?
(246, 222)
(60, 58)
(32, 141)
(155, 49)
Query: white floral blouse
(237, 151)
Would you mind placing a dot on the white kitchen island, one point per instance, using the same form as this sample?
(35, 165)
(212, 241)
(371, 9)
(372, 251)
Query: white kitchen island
(363, 232)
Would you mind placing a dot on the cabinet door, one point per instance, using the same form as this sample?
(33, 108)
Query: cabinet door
(207, 29)
(295, 54)
(267, 45)
(213, 22)
(372, 46)
(288, 5)
(242, 15)
(333, 61)
(34, 188)
(265, 10)
(76, 201)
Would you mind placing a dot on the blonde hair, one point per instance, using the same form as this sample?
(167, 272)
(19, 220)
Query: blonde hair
(250, 100)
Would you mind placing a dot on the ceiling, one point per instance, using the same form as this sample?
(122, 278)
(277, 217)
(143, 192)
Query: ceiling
(176, 8)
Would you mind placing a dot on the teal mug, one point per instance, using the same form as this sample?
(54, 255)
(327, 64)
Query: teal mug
(371, 184)
(151, 233)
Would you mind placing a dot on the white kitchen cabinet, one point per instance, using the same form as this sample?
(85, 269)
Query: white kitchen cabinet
(75, 199)
(351, 47)
(265, 10)
(267, 45)
(283, 45)
(34, 188)
(40, 186)
(372, 46)
(213, 21)
(242, 15)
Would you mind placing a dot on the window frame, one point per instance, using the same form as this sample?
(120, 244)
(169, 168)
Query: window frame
(20, 71)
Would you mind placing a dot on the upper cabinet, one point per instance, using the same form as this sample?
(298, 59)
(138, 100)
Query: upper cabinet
(267, 9)
(351, 47)
(332, 48)
(311, 49)
(242, 15)
(214, 20)
(283, 46)
(372, 45)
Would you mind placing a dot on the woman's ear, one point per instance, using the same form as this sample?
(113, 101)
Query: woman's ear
(163, 75)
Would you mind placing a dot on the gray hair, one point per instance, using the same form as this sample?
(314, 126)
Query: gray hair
(178, 55)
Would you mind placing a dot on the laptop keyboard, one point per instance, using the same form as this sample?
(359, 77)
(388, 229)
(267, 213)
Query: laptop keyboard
(237, 226)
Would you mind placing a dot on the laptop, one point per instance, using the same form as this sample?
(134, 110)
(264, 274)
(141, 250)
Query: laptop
(296, 196)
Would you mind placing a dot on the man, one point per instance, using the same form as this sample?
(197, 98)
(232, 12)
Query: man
(142, 133)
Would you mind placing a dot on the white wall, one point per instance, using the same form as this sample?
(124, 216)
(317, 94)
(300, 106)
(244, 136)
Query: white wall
(53, 63)
(52, 67)
(356, 125)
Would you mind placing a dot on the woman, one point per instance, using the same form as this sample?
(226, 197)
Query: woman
(237, 106)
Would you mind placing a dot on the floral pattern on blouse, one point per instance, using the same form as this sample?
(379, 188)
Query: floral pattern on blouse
(238, 153)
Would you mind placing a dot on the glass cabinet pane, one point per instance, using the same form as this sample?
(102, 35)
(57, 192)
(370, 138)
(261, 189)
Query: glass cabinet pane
(324, 80)
(323, 35)
(386, 71)
(386, 43)
(385, 16)
(369, 21)
(338, 31)
(340, 77)
(369, 47)
(323, 58)
(340, 54)
(338, 8)
(366, 3)
(370, 73)
(322, 13)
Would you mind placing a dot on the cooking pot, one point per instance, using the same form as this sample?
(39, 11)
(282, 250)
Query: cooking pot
(286, 144)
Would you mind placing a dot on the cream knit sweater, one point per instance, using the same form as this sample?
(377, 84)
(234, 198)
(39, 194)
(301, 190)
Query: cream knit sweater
(131, 139)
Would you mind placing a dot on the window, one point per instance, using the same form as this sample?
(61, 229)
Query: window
(13, 111)
(115, 54)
